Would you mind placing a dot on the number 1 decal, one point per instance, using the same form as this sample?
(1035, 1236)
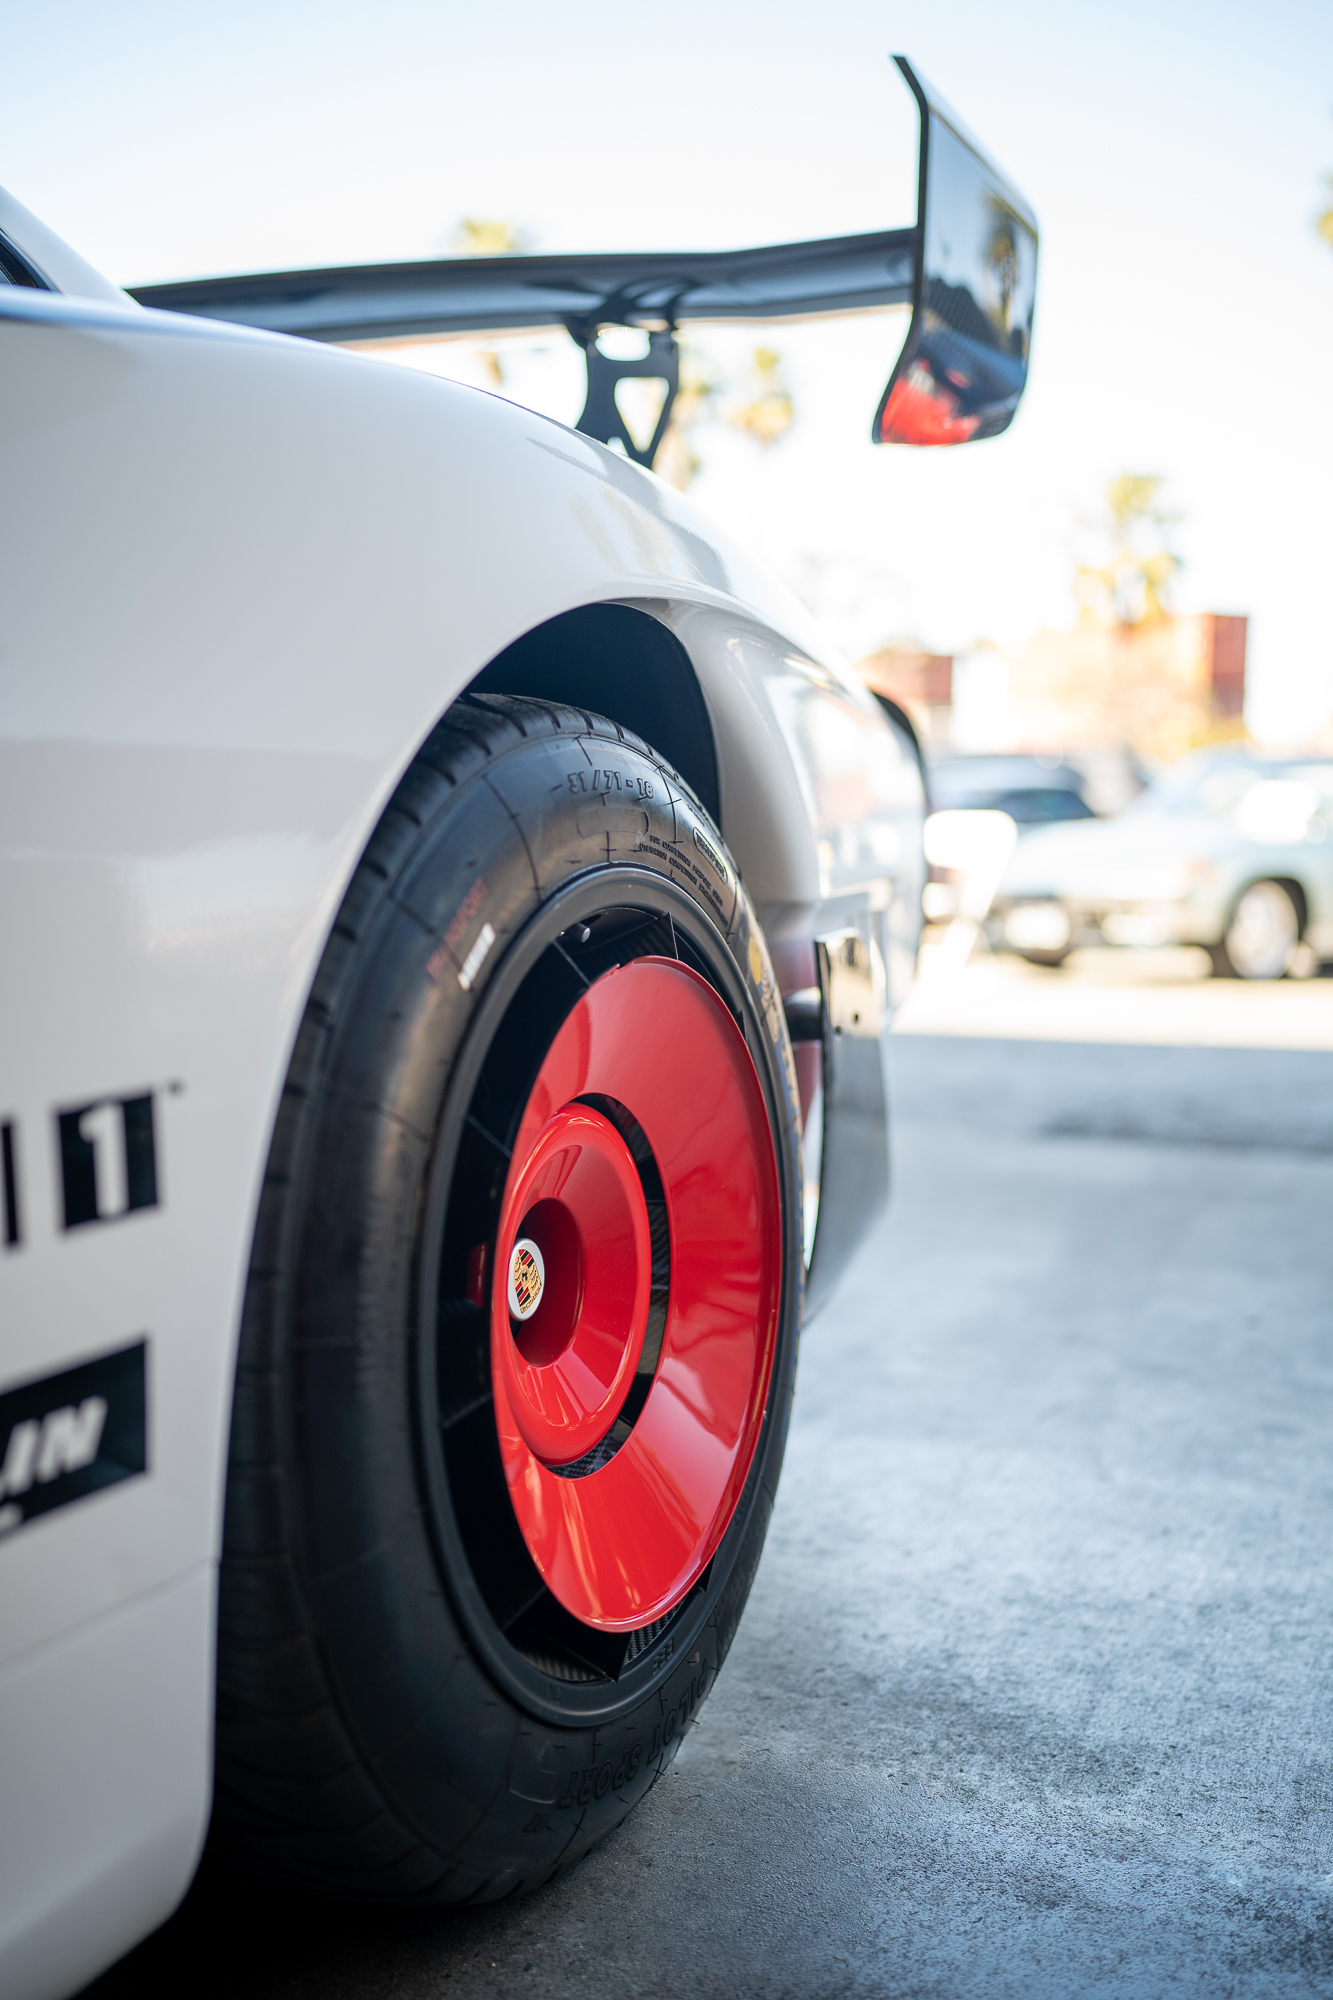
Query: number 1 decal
(108, 1159)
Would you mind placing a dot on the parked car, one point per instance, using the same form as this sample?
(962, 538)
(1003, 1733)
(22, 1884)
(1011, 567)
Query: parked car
(451, 899)
(1229, 849)
(1034, 791)
(1030, 790)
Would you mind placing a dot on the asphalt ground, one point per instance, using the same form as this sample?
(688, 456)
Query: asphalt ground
(1033, 1697)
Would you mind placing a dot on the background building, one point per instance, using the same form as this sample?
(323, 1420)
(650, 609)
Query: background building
(1158, 689)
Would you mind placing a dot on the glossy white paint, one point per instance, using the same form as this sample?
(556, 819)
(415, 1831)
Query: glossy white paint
(245, 576)
(58, 264)
(104, 1766)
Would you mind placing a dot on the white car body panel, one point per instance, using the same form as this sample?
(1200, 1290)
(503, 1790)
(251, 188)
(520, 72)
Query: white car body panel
(106, 1767)
(59, 265)
(245, 577)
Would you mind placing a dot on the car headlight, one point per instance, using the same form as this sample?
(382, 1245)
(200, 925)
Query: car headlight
(968, 838)
(1037, 927)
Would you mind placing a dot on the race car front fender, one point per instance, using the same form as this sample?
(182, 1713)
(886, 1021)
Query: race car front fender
(246, 577)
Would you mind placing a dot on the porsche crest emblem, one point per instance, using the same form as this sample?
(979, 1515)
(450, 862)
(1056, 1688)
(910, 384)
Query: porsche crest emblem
(527, 1278)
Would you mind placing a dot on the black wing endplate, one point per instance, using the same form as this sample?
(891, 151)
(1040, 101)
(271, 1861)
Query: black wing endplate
(964, 364)
(654, 290)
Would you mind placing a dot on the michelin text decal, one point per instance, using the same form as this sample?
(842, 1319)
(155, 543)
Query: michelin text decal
(71, 1434)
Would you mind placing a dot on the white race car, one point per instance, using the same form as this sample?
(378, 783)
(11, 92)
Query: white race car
(451, 901)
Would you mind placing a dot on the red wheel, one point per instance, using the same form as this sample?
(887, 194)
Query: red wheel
(623, 1498)
(520, 1335)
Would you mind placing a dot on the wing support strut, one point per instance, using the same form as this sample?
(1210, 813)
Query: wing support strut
(601, 418)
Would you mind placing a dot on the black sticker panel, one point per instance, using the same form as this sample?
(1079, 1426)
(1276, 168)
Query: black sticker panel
(72, 1434)
(108, 1160)
(9, 1177)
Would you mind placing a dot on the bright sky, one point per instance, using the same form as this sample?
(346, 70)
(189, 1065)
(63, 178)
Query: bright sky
(1174, 154)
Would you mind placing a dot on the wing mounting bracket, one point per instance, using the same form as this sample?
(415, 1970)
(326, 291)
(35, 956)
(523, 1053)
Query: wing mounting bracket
(601, 418)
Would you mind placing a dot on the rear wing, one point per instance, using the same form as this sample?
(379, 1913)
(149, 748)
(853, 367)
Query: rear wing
(960, 196)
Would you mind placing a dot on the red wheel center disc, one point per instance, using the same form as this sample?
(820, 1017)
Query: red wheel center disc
(568, 1364)
(620, 1546)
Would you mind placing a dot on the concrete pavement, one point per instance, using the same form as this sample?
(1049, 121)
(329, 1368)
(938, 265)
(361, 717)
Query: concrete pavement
(1034, 1696)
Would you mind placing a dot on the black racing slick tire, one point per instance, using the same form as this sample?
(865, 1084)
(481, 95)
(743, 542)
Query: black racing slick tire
(416, 1702)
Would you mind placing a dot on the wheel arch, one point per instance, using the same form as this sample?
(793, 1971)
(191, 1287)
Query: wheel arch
(579, 658)
(1294, 887)
(903, 722)
(1296, 890)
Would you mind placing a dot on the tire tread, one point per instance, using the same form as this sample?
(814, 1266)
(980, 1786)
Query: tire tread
(283, 1752)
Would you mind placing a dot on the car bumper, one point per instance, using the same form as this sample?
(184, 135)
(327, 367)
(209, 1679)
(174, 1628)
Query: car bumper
(1028, 922)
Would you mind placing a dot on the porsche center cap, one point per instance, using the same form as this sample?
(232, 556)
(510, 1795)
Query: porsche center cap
(527, 1278)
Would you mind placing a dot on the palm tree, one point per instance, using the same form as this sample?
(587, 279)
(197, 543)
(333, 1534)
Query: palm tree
(484, 236)
(1132, 586)
(758, 403)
